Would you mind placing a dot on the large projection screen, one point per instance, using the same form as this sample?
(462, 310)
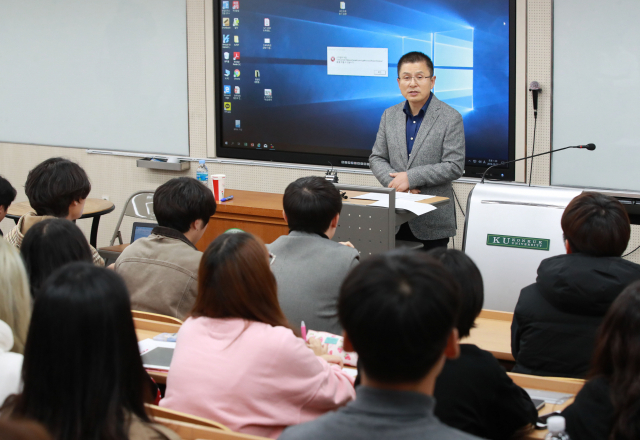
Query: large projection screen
(307, 80)
(108, 74)
(596, 91)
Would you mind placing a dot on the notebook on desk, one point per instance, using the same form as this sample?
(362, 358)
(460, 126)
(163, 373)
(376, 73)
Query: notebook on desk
(141, 230)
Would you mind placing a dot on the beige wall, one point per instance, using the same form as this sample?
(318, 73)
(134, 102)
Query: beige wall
(117, 176)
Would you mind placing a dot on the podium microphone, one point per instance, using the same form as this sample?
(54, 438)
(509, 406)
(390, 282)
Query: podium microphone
(589, 147)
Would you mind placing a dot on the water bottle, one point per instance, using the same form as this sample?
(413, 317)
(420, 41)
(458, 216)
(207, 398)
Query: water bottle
(556, 425)
(202, 173)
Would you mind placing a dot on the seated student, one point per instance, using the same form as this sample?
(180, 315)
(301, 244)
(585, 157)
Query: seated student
(7, 196)
(398, 311)
(473, 392)
(161, 270)
(58, 188)
(15, 301)
(83, 376)
(556, 318)
(51, 244)
(309, 267)
(237, 361)
(608, 406)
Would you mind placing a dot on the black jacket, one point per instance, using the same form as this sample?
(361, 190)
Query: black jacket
(474, 394)
(556, 318)
(590, 416)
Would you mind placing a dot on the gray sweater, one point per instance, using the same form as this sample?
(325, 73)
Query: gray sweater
(379, 415)
(309, 270)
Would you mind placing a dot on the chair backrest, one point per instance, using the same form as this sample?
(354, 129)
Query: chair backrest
(155, 317)
(156, 412)
(139, 205)
(192, 431)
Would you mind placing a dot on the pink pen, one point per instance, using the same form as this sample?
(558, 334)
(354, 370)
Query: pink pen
(303, 331)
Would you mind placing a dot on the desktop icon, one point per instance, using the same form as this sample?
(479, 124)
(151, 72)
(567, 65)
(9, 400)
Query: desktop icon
(267, 41)
(226, 21)
(227, 73)
(236, 39)
(267, 92)
(237, 123)
(236, 73)
(226, 55)
(236, 56)
(267, 22)
(257, 74)
(225, 39)
(227, 90)
(343, 5)
(236, 5)
(236, 90)
(225, 4)
(227, 106)
(236, 22)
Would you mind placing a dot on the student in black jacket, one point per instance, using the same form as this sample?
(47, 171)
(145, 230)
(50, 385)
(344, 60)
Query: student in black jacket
(556, 318)
(608, 406)
(473, 393)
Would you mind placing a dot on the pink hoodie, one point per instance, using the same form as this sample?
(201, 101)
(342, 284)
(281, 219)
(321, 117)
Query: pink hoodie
(257, 381)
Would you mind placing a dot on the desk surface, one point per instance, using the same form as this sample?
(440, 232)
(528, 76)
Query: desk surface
(493, 333)
(92, 208)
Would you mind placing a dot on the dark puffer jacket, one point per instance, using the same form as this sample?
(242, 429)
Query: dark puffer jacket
(556, 318)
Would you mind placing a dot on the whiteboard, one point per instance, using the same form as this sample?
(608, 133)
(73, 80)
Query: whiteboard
(596, 93)
(107, 74)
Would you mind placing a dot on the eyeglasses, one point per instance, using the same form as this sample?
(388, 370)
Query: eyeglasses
(418, 78)
(272, 258)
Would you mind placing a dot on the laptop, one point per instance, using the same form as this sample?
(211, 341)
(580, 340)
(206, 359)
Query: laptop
(141, 230)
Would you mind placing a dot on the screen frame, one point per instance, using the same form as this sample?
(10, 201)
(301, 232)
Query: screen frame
(502, 172)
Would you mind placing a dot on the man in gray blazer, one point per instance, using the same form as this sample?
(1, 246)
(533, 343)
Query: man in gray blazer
(420, 148)
(308, 266)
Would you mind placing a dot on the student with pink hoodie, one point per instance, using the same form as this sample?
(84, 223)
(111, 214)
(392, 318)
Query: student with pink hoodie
(237, 360)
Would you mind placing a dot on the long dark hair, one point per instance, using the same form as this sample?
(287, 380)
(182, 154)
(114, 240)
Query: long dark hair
(617, 359)
(51, 244)
(82, 373)
(235, 281)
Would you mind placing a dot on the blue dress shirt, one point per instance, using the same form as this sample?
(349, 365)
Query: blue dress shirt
(414, 122)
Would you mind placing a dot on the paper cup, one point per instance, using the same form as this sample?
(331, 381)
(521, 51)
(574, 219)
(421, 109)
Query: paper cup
(217, 185)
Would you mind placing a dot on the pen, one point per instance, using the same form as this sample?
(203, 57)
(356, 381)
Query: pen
(303, 331)
(225, 199)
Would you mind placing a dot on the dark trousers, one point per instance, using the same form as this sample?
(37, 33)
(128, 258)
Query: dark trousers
(405, 234)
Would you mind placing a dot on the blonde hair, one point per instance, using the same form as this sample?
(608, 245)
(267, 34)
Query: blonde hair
(15, 299)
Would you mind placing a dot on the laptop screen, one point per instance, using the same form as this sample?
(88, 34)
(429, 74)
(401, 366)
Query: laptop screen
(141, 230)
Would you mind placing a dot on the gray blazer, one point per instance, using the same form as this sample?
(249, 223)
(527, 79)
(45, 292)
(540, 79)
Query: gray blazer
(309, 270)
(436, 160)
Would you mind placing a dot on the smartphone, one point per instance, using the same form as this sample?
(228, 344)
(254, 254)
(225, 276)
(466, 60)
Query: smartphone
(538, 403)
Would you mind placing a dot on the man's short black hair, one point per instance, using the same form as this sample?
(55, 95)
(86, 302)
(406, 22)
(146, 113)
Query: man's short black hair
(182, 201)
(398, 309)
(415, 57)
(54, 184)
(468, 276)
(310, 204)
(596, 224)
(7, 193)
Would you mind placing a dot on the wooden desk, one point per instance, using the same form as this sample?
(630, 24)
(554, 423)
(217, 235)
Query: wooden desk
(255, 212)
(493, 333)
(93, 208)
